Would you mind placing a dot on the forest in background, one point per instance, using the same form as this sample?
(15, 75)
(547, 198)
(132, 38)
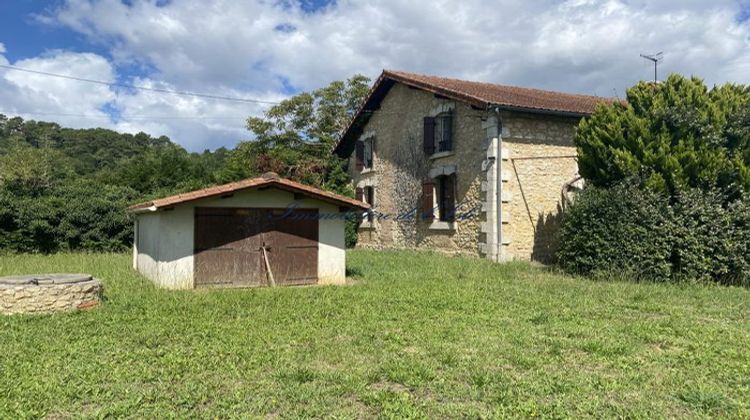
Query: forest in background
(67, 189)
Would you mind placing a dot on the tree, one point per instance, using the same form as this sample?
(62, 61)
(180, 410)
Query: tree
(32, 170)
(670, 136)
(296, 137)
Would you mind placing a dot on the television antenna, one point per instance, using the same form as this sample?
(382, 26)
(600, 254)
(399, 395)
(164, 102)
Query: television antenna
(654, 58)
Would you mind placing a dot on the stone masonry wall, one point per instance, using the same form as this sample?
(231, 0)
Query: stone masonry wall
(49, 298)
(400, 166)
(537, 161)
(541, 159)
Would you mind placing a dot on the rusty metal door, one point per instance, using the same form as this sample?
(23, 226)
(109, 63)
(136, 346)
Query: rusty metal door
(229, 245)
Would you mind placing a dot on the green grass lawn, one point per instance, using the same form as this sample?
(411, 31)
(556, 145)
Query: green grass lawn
(417, 335)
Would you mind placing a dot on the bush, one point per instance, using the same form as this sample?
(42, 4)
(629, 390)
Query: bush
(641, 234)
(672, 136)
(621, 229)
(81, 215)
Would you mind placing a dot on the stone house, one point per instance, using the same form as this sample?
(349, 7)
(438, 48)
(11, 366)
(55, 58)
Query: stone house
(463, 167)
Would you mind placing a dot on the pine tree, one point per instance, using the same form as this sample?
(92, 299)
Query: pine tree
(670, 137)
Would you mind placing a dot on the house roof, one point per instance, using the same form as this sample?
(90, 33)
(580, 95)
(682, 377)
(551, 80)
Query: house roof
(269, 179)
(478, 94)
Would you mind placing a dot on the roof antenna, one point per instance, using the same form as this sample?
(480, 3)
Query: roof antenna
(655, 58)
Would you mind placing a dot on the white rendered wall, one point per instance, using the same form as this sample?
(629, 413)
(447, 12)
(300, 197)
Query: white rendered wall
(165, 238)
(331, 247)
(147, 248)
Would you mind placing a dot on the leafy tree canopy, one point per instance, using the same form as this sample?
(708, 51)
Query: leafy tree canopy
(296, 137)
(671, 136)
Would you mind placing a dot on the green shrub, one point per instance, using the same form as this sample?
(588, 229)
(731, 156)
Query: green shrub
(622, 229)
(80, 215)
(671, 136)
(632, 232)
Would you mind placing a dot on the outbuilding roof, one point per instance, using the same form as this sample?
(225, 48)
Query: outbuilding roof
(269, 179)
(478, 94)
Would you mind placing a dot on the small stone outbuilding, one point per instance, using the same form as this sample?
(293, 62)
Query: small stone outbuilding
(256, 232)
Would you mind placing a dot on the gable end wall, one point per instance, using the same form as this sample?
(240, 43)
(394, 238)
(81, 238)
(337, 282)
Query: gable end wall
(531, 189)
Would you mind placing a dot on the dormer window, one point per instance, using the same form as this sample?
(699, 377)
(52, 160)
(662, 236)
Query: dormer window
(438, 133)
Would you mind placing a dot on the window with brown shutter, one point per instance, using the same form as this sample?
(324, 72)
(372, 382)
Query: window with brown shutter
(370, 199)
(367, 153)
(447, 198)
(429, 135)
(359, 155)
(428, 202)
(446, 133)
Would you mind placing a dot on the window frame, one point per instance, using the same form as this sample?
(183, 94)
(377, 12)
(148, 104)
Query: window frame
(368, 154)
(440, 132)
(442, 183)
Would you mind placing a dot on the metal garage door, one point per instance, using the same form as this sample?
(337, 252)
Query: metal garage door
(229, 246)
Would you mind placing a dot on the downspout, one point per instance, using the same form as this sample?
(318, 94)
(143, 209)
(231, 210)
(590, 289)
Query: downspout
(499, 185)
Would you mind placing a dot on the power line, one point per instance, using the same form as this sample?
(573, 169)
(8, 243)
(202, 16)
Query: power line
(122, 117)
(126, 85)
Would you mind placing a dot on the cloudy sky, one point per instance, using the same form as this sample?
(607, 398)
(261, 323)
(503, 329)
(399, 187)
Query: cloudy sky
(268, 50)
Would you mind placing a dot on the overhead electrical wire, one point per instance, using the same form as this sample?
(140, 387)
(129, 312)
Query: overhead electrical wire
(123, 116)
(145, 88)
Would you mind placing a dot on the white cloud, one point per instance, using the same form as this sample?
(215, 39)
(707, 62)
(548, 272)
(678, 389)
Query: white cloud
(195, 123)
(27, 92)
(234, 48)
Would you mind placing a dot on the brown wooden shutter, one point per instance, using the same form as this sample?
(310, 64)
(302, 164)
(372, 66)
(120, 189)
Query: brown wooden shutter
(449, 199)
(370, 191)
(360, 155)
(428, 203)
(370, 196)
(447, 133)
(429, 135)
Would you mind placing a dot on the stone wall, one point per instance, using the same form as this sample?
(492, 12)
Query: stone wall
(540, 159)
(18, 299)
(537, 161)
(400, 166)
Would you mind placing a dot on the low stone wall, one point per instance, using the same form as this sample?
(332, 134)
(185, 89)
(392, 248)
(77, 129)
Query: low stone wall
(17, 299)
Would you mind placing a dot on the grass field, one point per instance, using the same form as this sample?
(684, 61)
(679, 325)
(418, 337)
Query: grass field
(416, 335)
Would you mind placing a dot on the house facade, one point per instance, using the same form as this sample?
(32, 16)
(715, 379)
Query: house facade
(463, 167)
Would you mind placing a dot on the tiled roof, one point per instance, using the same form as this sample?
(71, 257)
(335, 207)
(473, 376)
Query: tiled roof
(483, 94)
(479, 94)
(267, 180)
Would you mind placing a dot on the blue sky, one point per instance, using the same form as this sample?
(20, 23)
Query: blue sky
(269, 50)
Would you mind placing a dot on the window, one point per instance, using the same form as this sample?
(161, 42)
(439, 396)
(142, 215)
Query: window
(438, 133)
(367, 161)
(364, 154)
(439, 195)
(367, 195)
(446, 202)
(444, 132)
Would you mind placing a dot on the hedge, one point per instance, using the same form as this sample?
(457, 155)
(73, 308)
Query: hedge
(81, 215)
(643, 235)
